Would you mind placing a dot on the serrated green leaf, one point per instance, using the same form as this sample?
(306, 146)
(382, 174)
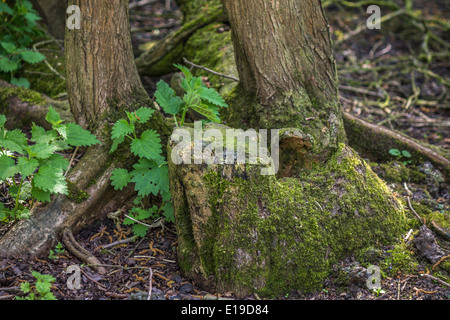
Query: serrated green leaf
(120, 178)
(144, 114)
(25, 286)
(56, 161)
(115, 144)
(207, 111)
(32, 56)
(154, 180)
(27, 166)
(2, 120)
(21, 82)
(212, 96)
(61, 129)
(79, 137)
(166, 98)
(192, 98)
(18, 137)
(39, 194)
(53, 117)
(168, 211)
(40, 150)
(187, 73)
(10, 47)
(60, 145)
(140, 230)
(5, 8)
(7, 167)
(51, 180)
(8, 65)
(148, 146)
(121, 128)
(40, 135)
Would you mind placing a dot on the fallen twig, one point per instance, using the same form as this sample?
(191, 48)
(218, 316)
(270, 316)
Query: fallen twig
(210, 71)
(150, 284)
(436, 279)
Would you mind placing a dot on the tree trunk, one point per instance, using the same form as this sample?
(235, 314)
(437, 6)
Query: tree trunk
(242, 231)
(102, 83)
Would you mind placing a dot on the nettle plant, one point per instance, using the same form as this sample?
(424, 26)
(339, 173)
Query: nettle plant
(41, 290)
(18, 26)
(204, 100)
(150, 174)
(34, 171)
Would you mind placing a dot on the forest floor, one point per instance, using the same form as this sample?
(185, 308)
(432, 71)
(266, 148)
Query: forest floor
(392, 77)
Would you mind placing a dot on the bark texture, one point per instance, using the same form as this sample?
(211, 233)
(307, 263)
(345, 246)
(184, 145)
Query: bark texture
(100, 61)
(287, 70)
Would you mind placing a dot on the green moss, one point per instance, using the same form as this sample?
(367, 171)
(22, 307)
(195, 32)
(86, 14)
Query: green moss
(272, 236)
(23, 94)
(400, 260)
(76, 194)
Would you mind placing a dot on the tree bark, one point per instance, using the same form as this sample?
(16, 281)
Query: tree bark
(287, 70)
(102, 83)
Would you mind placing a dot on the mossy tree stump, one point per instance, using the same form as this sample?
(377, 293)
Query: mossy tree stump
(246, 232)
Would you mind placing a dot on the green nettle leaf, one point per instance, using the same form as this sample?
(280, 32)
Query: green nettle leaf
(32, 56)
(10, 47)
(212, 96)
(7, 167)
(8, 65)
(41, 150)
(5, 8)
(150, 179)
(121, 128)
(120, 178)
(56, 161)
(187, 73)
(143, 114)
(53, 117)
(148, 146)
(27, 166)
(77, 136)
(17, 136)
(21, 82)
(209, 113)
(140, 230)
(2, 120)
(166, 98)
(40, 195)
(116, 143)
(168, 211)
(50, 179)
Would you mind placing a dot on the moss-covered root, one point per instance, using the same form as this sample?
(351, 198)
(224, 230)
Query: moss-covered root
(242, 231)
(23, 106)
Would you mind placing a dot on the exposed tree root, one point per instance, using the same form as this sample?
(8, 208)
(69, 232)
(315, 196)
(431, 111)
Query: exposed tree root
(375, 141)
(160, 58)
(91, 197)
(81, 253)
(24, 106)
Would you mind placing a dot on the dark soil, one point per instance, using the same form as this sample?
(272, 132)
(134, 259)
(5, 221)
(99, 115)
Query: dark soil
(130, 267)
